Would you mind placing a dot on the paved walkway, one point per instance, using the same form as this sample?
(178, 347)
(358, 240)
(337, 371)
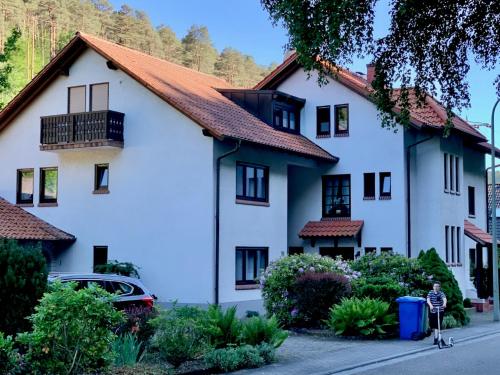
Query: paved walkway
(316, 355)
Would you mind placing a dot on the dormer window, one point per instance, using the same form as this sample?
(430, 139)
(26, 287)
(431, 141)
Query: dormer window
(285, 117)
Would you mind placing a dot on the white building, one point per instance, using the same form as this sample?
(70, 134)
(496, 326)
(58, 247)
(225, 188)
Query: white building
(201, 185)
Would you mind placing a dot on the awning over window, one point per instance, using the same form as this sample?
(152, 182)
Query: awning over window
(18, 224)
(331, 228)
(477, 234)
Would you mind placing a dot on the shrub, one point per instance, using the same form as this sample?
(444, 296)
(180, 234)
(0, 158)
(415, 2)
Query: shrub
(314, 294)
(8, 355)
(408, 273)
(278, 279)
(467, 303)
(180, 334)
(137, 323)
(127, 349)
(450, 322)
(234, 358)
(267, 352)
(118, 268)
(223, 328)
(437, 269)
(72, 331)
(362, 317)
(257, 330)
(23, 280)
(384, 288)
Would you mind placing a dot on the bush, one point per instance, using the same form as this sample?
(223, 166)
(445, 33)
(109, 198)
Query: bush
(314, 294)
(450, 322)
(72, 331)
(467, 303)
(267, 352)
(384, 288)
(437, 269)
(8, 355)
(137, 323)
(180, 334)
(278, 280)
(127, 349)
(118, 268)
(362, 317)
(23, 280)
(258, 330)
(231, 359)
(223, 328)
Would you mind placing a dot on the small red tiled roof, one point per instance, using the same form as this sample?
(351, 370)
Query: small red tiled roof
(331, 228)
(191, 92)
(431, 113)
(477, 234)
(18, 224)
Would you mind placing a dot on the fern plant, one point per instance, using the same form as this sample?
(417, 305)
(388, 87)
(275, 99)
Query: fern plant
(257, 330)
(223, 327)
(362, 317)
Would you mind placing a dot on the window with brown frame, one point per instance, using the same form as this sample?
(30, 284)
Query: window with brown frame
(100, 255)
(295, 250)
(25, 186)
(99, 97)
(369, 186)
(472, 201)
(286, 117)
(445, 157)
(447, 243)
(323, 120)
(250, 263)
(48, 185)
(386, 250)
(370, 250)
(101, 178)
(77, 96)
(342, 120)
(385, 185)
(252, 182)
(337, 196)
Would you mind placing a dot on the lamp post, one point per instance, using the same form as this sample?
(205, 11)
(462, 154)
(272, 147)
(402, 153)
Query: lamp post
(496, 301)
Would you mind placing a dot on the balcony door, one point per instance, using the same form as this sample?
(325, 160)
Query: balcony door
(77, 99)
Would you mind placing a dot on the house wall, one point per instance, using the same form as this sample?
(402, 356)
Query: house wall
(368, 148)
(159, 212)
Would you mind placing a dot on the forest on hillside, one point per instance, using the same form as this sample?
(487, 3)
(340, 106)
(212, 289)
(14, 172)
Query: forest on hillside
(47, 25)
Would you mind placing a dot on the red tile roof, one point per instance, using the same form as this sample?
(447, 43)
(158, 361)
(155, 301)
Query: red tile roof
(477, 234)
(431, 114)
(191, 92)
(331, 228)
(18, 224)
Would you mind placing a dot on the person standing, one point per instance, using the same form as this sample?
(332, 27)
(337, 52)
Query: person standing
(436, 300)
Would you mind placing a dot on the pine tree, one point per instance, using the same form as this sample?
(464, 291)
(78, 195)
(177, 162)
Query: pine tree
(229, 65)
(171, 48)
(10, 46)
(199, 53)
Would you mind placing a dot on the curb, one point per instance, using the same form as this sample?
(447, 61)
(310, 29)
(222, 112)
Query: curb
(405, 354)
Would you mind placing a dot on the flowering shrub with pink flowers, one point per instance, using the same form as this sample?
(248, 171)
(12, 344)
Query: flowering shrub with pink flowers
(278, 280)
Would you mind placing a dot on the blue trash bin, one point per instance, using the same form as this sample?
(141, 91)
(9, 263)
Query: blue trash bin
(411, 315)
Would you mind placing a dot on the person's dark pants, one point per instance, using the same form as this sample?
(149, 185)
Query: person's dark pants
(433, 320)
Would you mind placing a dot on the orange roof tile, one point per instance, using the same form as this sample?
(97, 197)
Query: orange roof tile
(18, 224)
(191, 92)
(331, 228)
(477, 234)
(431, 113)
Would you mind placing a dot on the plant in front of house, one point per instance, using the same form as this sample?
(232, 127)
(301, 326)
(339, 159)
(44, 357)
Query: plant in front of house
(127, 349)
(9, 359)
(223, 327)
(278, 279)
(137, 322)
(258, 330)
(72, 331)
(234, 358)
(314, 293)
(118, 268)
(437, 269)
(23, 280)
(382, 287)
(366, 317)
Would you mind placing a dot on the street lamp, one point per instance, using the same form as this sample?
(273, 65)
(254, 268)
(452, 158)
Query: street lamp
(496, 301)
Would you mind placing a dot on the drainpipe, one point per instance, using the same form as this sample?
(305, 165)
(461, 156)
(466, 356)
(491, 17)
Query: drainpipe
(408, 192)
(217, 216)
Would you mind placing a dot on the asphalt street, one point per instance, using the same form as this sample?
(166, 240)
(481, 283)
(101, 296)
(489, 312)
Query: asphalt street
(481, 356)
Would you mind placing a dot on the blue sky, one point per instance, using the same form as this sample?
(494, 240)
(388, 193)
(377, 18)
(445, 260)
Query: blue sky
(244, 25)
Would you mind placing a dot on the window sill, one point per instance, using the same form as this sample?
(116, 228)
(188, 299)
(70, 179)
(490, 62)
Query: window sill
(384, 198)
(338, 218)
(323, 136)
(25, 205)
(247, 287)
(48, 204)
(368, 198)
(101, 191)
(252, 203)
(341, 135)
(472, 216)
(454, 264)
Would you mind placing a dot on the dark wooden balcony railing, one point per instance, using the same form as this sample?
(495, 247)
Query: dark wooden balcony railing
(77, 129)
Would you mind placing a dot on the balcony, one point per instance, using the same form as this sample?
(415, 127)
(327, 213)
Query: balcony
(78, 130)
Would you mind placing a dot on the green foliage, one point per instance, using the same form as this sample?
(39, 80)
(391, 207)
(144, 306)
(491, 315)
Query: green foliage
(137, 322)
(118, 268)
(223, 327)
(267, 352)
(231, 359)
(278, 280)
(127, 349)
(180, 334)
(8, 355)
(257, 330)
(437, 269)
(23, 280)
(450, 322)
(383, 288)
(413, 53)
(314, 294)
(467, 303)
(362, 317)
(6, 64)
(72, 331)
